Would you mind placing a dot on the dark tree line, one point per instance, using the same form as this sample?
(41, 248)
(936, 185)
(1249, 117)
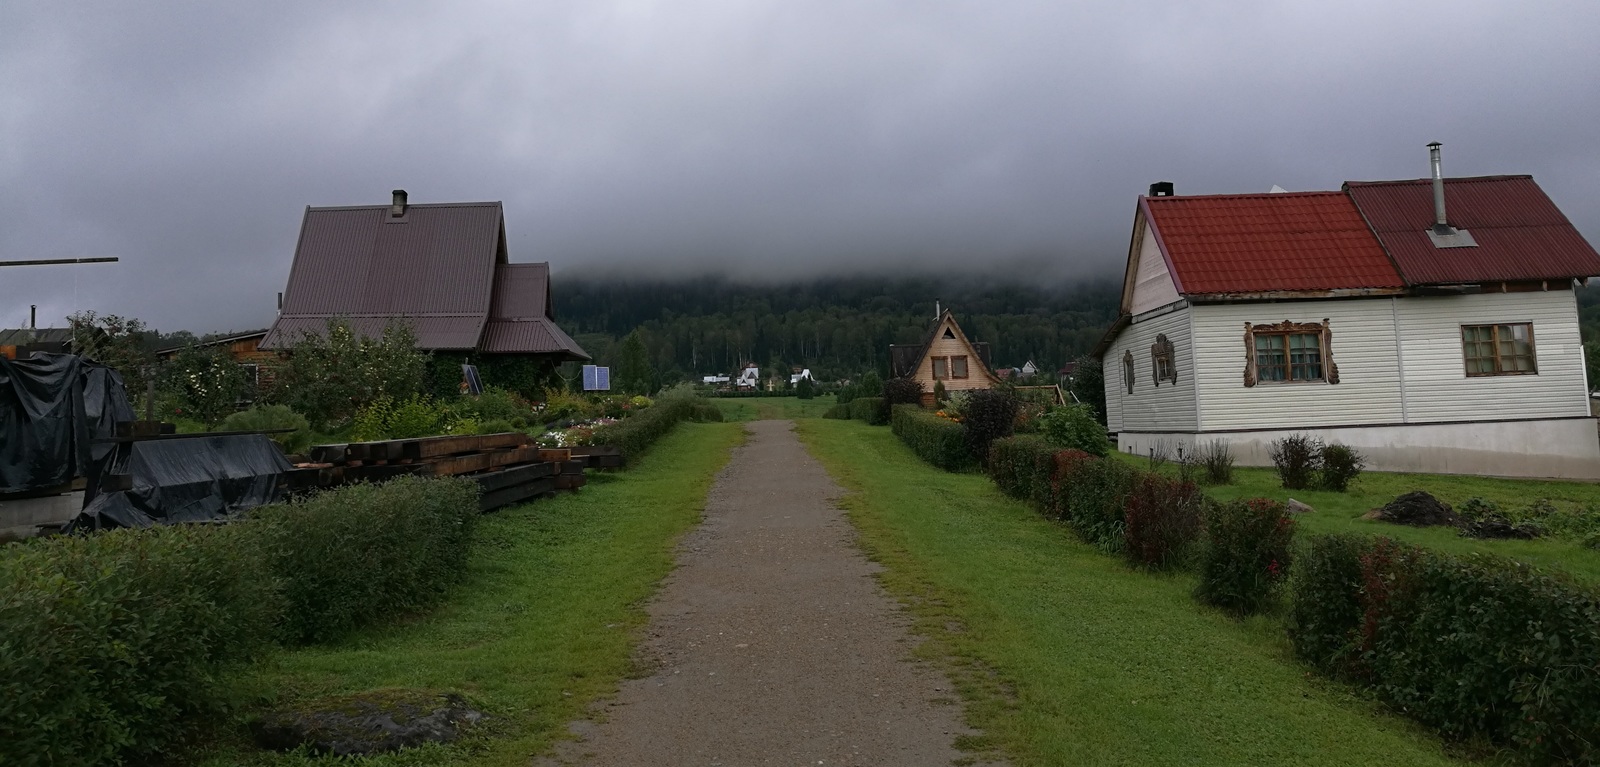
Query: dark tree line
(838, 327)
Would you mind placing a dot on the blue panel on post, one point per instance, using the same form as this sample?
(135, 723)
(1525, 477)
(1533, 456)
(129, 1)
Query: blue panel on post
(596, 378)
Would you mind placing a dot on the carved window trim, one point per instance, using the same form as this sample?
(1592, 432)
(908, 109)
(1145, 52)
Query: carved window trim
(1127, 369)
(1330, 371)
(1163, 360)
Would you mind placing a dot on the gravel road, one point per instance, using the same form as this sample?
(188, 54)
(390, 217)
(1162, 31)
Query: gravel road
(771, 643)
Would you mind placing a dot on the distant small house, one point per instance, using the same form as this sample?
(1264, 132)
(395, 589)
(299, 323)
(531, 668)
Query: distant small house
(945, 357)
(1068, 370)
(715, 379)
(442, 268)
(798, 374)
(243, 348)
(749, 377)
(22, 342)
(1028, 369)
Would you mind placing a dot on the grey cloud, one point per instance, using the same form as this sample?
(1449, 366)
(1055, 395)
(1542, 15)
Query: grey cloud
(764, 139)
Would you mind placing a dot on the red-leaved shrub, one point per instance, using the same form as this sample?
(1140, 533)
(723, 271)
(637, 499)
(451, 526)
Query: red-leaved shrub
(1246, 555)
(1163, 519)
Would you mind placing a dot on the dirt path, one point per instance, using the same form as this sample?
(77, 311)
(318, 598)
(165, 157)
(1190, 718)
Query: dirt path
(772, 643)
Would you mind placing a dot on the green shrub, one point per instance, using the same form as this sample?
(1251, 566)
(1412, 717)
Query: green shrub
(1298, 459)
(385, 418)
(1339, 465)
(494, 427)
(987, 415)
(1216, 458)
(1246, 556)
(350, 556)
(805, 389)
(330, 374)
(902, 391)
(1477, 646)
(869, 409)
(269, 417)
(112, 644)
(1024, 467)
(206, 381)
(635, 434)
(938, 441)
(1074, 427)
(1161, 521)
(1094, 496)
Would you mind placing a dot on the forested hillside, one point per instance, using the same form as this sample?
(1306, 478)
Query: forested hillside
(837, 327)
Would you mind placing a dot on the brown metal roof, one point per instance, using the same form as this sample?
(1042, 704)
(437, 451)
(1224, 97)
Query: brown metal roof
(521, 291)
(433, 266)
(521, 319)
(1520, 232)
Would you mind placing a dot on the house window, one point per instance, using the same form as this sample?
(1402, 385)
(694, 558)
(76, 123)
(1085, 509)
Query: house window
(941, 368)
(958, 367)
(1127, 370)
(1163, 366)
(1499, 350)
(1289, 352)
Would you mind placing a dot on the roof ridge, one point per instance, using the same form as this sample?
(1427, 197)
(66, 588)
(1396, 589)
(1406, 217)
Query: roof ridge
(409, 205)
(1245, 195)
(1448, 179)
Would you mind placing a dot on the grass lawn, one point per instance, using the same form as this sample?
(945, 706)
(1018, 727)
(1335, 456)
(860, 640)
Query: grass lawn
(545, 622)
(1341, 512)
(1068, 656)
(770, 408)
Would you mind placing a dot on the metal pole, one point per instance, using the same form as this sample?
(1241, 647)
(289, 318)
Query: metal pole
(52, 261)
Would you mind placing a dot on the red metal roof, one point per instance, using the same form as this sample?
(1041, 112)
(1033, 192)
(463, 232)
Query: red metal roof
(1521, 234)
(1253, 243)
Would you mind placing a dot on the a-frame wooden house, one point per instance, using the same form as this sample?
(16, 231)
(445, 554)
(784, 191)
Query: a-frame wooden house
(946, 357)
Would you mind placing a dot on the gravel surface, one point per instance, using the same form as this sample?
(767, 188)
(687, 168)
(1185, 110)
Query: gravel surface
(771, 643)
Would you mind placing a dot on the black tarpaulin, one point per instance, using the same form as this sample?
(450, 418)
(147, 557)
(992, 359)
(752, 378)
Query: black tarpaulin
(52, 408)
(190, 479)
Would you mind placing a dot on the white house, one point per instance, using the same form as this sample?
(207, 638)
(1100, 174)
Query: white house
(1432, 326)
(749, 377)
(800, 373)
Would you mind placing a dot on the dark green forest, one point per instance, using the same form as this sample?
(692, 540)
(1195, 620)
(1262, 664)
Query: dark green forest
(838, 327)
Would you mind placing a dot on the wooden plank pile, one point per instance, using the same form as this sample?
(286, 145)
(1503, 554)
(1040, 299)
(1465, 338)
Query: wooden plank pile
(508, 467)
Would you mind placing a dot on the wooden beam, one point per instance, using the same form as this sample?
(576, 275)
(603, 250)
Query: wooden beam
(509, 495)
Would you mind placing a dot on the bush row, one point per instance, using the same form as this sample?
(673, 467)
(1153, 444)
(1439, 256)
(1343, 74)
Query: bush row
(110, 643)
(938, 441)
(869, 409)
(1475, 646)
(635, 434)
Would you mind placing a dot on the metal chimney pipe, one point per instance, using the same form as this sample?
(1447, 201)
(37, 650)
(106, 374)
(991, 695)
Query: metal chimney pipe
(1439, 221)
(33, 316)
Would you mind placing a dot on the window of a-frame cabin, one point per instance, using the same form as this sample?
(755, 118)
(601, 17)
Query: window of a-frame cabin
(958, 367)
(1127, 369)
(941, 368)
(1499, 350)
(1163, 365)
(1289, 352)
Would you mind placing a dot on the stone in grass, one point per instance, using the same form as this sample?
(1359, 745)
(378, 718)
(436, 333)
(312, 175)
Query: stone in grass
(1417, 509)
(1296, 507)
(367, 723)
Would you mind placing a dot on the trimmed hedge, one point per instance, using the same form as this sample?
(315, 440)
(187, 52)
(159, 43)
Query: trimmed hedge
(838, 412)
(111, 643)
(1024, 467)
(869, 409)
(351, 556)
(635, 434)
(1477, 646)
(936, 440)
(1161, 520)
(1247, 554)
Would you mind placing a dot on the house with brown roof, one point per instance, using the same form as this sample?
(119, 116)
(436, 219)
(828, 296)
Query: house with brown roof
(946, 356)
(1431, 324)
(443, 268)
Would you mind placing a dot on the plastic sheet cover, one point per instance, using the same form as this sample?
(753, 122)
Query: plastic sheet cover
(190, 479)
(52, 408)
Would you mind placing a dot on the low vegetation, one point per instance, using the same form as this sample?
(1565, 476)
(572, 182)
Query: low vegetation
(1067, 656)
(937, 440)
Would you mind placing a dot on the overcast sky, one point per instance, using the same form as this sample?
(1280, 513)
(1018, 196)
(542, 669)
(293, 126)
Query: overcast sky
(760, 139)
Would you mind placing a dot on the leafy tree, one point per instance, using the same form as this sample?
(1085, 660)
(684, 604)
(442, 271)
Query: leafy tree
(871, 385)
(1591, 364)
(1088, 384)
(206, 382)
(804, 389)
(634, 374)
(328, 376)
(116, 342)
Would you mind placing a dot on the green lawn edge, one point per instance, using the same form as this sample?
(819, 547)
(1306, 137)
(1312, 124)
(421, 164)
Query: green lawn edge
(544, 624)
(1067, 656)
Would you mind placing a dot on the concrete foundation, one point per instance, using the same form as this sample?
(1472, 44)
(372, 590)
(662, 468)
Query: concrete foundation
(20, 518)
(1566, 448)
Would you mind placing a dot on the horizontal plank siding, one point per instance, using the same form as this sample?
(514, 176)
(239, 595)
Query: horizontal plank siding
(1168, 407)
(1364, 350)
(1437, 386)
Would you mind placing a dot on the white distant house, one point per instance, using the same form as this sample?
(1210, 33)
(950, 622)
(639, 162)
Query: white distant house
(749, 377)
(799, 373)
(715, 379)
(1028, 369)
(1430, 323)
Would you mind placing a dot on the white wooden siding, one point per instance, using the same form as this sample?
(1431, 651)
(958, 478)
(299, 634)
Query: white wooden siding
(1153, 287)
(1437, 386)
(1364, 349)
(1168, 407)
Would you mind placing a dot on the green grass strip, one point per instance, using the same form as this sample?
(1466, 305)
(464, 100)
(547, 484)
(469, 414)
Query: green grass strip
(771, 408)
(546, 621)
(1067, 656)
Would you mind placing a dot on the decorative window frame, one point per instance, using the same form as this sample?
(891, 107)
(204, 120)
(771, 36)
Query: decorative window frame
(1330, 371)
(1127, 369)
(1163, 351)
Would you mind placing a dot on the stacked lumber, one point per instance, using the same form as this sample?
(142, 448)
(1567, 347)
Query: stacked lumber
(508, 467)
